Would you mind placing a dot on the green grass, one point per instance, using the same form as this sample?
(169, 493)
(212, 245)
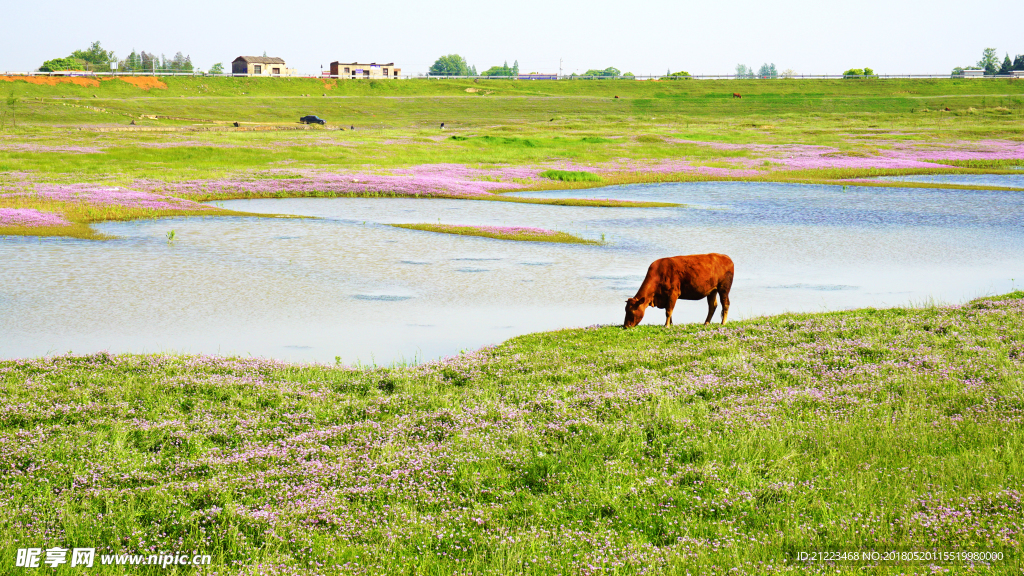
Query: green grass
(571, 175)
(708, 450)
(501, 233)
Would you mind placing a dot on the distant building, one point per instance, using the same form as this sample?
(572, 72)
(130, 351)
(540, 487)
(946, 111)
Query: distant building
(372, 71)
(260, 66)
(537, 76)
(1017, 73)
(973, 73)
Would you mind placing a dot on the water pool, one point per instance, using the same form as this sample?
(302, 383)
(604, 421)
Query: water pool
(347, 285)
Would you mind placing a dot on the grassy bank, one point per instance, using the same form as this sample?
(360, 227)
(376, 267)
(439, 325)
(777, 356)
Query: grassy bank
(588, 451)
(501, 233)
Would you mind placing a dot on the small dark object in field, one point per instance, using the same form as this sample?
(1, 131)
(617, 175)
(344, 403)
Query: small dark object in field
(442, 125)
(312, 120)
(736, 95)
(351, 127)
(133, 123)
(236, 124)
(552, 120)
(616, 97)
(947, 110)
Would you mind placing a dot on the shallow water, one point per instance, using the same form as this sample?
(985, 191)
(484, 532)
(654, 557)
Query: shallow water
(348, 285)
(1003, 180)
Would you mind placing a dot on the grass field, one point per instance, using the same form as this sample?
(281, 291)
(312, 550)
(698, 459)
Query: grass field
(688, 450)
(384, 138)
(702, 450)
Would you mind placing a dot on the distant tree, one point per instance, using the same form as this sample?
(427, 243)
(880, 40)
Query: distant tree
(67, 63)
(855, 72)
(628, 75)
(743, 71)
(788, 73)
(472, 71)
(609, 72)
(132, 62)
(1018, 62)
(95, 56)
(450, 65)
(681, 75)
(1007, 66)
(958, 71)
(768, 71)
(217, 68)
(989, 62)
(149, 61)
(502, 70)
(515, 68)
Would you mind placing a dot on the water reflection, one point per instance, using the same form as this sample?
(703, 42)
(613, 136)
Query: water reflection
(350, 285)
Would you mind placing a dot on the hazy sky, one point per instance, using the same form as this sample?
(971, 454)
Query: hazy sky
(643, 37)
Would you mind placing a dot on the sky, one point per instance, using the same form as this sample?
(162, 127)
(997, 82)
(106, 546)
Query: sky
(643, 37)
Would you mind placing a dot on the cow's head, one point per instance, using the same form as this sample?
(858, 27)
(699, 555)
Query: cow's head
(634, 311)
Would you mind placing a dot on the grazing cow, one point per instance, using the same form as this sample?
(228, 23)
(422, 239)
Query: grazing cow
(736, 95)
(688, 277)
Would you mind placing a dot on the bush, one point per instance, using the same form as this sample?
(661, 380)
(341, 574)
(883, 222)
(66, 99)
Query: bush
(681, 75)
(57, 64)
(855, 72)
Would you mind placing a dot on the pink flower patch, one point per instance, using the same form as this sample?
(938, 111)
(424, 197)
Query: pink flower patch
(30, 217)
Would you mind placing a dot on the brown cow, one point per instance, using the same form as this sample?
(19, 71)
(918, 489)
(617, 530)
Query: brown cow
(688, 277)
(736, 95)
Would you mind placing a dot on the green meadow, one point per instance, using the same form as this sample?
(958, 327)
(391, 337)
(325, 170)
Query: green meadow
(867, 435)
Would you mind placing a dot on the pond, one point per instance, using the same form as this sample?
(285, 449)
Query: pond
(347, 285)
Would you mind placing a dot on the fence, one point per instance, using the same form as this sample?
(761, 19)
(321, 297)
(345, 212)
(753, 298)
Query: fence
(550, 77)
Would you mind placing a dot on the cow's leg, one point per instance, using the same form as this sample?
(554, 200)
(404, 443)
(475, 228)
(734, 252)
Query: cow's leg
(712, 305)
(669, 306)
(725, 305)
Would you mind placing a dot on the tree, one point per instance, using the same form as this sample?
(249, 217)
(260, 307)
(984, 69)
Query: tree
(502, 70)
(742, 71)
(217, 68)
(989, 61)
(681, 75)
(768, 71)
(450, 65)
(132, 62)
(1018, 62)
(1007, 66)
(855, 72)
(515, 68)
(788, 73)
(95, 56)
(609, 72)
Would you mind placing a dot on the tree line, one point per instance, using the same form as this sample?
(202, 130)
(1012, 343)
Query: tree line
(992, 66)
(96, 59)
